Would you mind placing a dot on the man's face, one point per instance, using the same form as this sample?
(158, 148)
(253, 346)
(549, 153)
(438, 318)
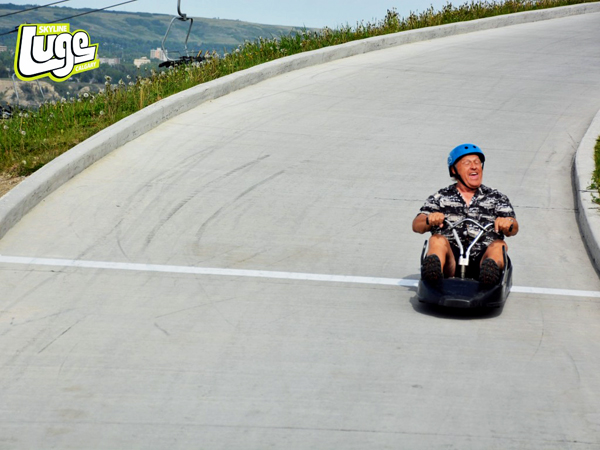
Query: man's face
(470, 170)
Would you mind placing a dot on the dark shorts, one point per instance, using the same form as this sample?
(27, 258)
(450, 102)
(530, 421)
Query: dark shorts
(474, 262)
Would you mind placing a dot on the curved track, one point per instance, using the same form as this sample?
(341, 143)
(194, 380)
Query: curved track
(318, 171)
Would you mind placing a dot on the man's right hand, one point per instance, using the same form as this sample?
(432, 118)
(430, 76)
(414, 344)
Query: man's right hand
(436, 219)
(424, 223)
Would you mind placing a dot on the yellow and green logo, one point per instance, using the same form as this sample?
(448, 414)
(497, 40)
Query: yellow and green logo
(51, 50)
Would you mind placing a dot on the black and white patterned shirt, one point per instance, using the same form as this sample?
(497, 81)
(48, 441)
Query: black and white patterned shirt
(486, 205)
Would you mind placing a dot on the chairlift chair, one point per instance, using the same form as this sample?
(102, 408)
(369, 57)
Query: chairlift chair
(187, 58)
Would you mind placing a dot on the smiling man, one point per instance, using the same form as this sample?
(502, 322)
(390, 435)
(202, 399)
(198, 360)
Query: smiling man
(467, 198)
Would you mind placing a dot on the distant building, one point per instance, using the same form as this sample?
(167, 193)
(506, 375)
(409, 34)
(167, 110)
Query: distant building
(158, 54)
(139, 62)
(3, 48)
(110, 61)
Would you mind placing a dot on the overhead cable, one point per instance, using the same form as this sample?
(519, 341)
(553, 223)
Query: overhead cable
(31, 9)
(76, 15)
(93, 11)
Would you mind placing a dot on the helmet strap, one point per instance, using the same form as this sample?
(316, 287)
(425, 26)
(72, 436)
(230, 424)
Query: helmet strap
(456, 175)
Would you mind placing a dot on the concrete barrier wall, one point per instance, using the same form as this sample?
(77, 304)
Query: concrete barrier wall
(16, 203)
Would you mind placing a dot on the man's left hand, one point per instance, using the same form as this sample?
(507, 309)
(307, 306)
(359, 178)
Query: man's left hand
(504, 224)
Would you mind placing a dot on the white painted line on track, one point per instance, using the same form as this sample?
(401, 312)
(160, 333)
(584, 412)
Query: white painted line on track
(22, 260)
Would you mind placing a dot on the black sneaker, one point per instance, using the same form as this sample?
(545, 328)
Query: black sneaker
(431, 270)
(489, 274)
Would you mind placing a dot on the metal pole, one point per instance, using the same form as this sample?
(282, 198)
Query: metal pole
(15, 87)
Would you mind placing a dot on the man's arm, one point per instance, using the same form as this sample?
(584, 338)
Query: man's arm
(425, 222)
(505, 222)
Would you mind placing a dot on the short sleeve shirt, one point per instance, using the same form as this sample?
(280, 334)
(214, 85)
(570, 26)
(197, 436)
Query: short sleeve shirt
(486, 205)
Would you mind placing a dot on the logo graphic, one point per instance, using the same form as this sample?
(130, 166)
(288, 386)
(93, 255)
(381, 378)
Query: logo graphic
(51, 50)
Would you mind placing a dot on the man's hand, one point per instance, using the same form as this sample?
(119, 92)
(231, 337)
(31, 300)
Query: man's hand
(506, 225)
(436, 219)
(424, 222)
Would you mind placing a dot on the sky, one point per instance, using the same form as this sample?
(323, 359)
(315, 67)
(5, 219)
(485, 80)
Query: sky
(309, 13)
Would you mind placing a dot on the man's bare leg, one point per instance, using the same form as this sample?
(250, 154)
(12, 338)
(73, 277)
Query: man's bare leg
(439, 245)
(492, 264)
(494, 251)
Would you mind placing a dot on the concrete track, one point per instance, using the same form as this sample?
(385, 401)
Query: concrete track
(317, 171)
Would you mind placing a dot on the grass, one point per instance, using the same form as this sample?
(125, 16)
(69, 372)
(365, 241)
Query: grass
(31, 139)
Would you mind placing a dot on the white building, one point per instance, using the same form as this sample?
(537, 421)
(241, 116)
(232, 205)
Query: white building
(139, 62)
(158, 54)
(110, 61)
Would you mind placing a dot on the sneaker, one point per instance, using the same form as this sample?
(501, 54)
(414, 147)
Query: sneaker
(489, 274)
(431, 270)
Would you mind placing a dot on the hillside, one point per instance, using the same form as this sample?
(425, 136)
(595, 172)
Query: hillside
(130, 35)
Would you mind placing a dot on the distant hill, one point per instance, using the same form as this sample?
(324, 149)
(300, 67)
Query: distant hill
(131, 35)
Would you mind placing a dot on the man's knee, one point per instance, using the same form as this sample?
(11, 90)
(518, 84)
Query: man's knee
(495, 251)
(497, 245)
(440, 246)
(438, 240)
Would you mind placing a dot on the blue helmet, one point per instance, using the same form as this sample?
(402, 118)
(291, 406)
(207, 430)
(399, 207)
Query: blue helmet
(464, 150)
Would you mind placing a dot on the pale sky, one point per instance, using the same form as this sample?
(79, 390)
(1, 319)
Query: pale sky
(309, 13)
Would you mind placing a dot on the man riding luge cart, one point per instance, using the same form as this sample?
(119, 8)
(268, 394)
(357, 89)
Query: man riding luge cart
(456, 217)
